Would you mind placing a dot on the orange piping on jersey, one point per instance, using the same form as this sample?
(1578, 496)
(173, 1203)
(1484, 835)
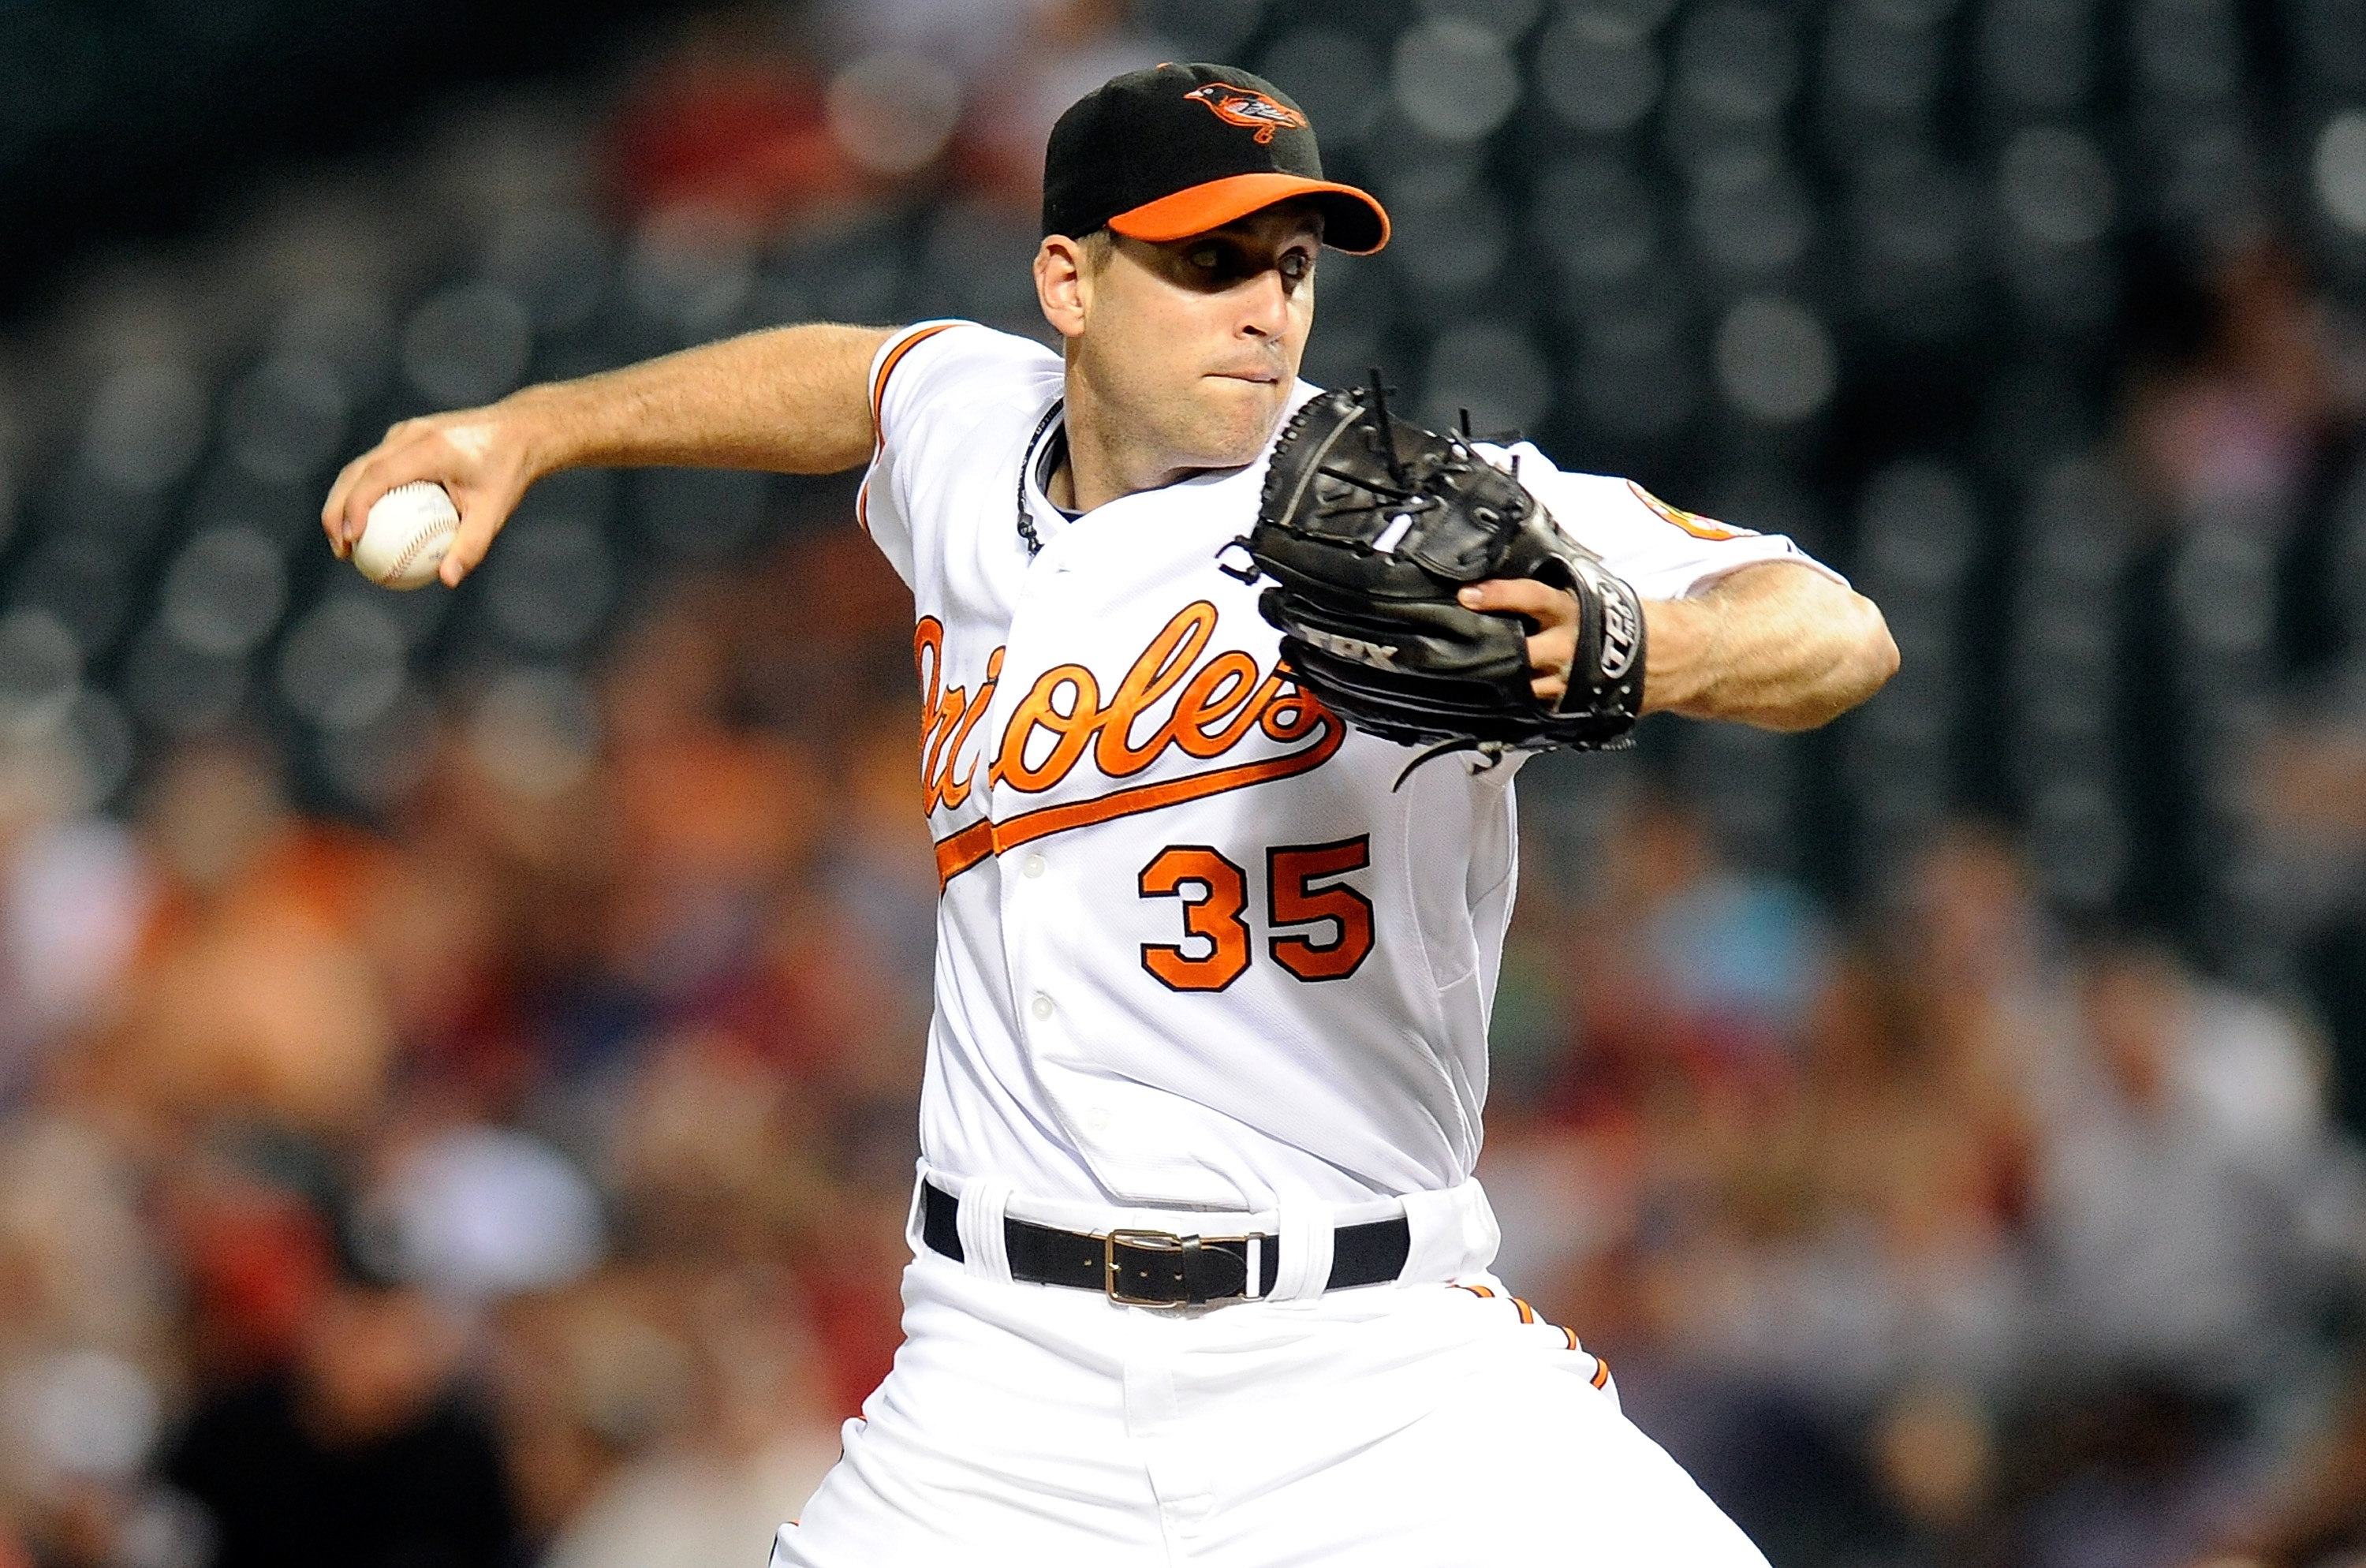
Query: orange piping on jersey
(1527, 1313)
(1601, 1372)
(958, 851)
(1572, 1335)
(888, 367)
(1481, 1291)
(878, 402)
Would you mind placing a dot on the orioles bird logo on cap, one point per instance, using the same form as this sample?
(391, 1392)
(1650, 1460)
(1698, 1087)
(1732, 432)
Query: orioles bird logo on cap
(1248, 107)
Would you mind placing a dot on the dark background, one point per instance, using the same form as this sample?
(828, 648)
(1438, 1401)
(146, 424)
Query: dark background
(1947, 1121)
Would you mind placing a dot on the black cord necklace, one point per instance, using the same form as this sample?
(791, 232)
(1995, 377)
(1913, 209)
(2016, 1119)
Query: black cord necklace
(1026, 460)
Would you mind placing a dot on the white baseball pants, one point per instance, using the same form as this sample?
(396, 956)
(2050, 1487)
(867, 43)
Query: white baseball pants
(1389, 1427)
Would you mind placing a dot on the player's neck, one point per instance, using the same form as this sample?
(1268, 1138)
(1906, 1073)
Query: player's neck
(1102, 463)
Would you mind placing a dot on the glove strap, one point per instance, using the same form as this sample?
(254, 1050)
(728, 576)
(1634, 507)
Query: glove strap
(1604, 694)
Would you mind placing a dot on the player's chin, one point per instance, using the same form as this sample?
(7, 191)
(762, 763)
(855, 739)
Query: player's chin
(1240, 417)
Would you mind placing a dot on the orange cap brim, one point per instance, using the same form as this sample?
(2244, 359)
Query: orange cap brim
(1350, 215)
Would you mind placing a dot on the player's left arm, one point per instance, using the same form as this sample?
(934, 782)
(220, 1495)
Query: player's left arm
(1776, 644)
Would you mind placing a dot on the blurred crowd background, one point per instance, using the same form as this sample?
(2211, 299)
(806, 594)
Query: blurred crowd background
(457, 1051)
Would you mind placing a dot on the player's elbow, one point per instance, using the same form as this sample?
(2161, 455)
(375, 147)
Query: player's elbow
(1877, 650)
(1865, 657)
(1858, 657)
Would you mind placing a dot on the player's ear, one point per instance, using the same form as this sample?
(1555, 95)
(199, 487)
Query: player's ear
(1063, 284)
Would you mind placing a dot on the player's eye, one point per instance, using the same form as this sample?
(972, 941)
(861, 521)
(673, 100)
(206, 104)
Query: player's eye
(1207, 258)
(1296, 265)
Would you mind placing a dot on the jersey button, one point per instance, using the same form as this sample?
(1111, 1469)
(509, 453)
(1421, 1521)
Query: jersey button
(1033, 866)
(1042, 1006)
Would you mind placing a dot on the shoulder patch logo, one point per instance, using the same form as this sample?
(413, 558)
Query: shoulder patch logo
(1247, 107)
(1699, 527)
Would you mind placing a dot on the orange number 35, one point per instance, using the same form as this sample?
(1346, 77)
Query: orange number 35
(1290, 876)
(1214, 893)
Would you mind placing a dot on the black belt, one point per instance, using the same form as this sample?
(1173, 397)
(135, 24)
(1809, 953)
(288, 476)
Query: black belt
(1159, 1267)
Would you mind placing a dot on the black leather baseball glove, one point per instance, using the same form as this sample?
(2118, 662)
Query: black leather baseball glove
(1370, 525)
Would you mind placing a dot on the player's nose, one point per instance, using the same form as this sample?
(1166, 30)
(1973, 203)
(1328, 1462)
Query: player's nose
(1265, 305)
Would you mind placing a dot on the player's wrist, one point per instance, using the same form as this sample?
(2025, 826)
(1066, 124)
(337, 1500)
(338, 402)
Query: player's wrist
(1679, 643)
(544, 429)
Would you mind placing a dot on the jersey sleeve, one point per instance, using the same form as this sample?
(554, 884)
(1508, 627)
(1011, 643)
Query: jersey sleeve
(930, 385)
(1662, 551)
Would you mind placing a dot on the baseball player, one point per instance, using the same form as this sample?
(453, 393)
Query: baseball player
(1200, 1267)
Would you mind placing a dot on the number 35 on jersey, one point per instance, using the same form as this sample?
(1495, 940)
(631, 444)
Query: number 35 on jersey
(1321, 928)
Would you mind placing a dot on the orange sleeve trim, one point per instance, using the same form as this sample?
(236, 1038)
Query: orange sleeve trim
(1527, 1313)
(1571, 1333)
(888, 367)
(1692, 523)
(878, 402)
(958, 851)
(1601, 1372)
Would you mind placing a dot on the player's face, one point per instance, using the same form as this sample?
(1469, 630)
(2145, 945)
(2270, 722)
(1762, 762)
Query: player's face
(1192, 344)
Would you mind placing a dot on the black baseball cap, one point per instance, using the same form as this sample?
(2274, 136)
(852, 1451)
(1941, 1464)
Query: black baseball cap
(1178, 149)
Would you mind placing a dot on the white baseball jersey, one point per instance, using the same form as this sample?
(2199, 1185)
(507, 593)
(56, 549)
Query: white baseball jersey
(1195, 949)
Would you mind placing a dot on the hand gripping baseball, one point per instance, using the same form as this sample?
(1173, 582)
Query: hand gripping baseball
(1371, 527)
(482, 458)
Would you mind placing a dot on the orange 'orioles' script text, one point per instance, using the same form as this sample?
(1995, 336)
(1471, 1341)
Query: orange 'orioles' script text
(1217, 701)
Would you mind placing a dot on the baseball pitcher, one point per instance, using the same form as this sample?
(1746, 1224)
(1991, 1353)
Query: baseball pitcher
(1224, 679)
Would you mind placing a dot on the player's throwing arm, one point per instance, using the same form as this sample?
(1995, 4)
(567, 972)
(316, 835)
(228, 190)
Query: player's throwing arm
(1784, 650)
(795, 399)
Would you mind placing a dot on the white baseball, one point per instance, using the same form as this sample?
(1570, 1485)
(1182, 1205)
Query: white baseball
(410, 528)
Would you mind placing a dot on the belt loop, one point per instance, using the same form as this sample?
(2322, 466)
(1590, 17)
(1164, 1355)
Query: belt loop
(1453, 1233)
(915, 1231)
(1305, 1242)
(985, 1249)
(1253, 1251)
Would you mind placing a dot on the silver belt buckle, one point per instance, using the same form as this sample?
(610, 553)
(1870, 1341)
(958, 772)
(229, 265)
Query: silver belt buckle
(1166, 1242)
(1141, 1241)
